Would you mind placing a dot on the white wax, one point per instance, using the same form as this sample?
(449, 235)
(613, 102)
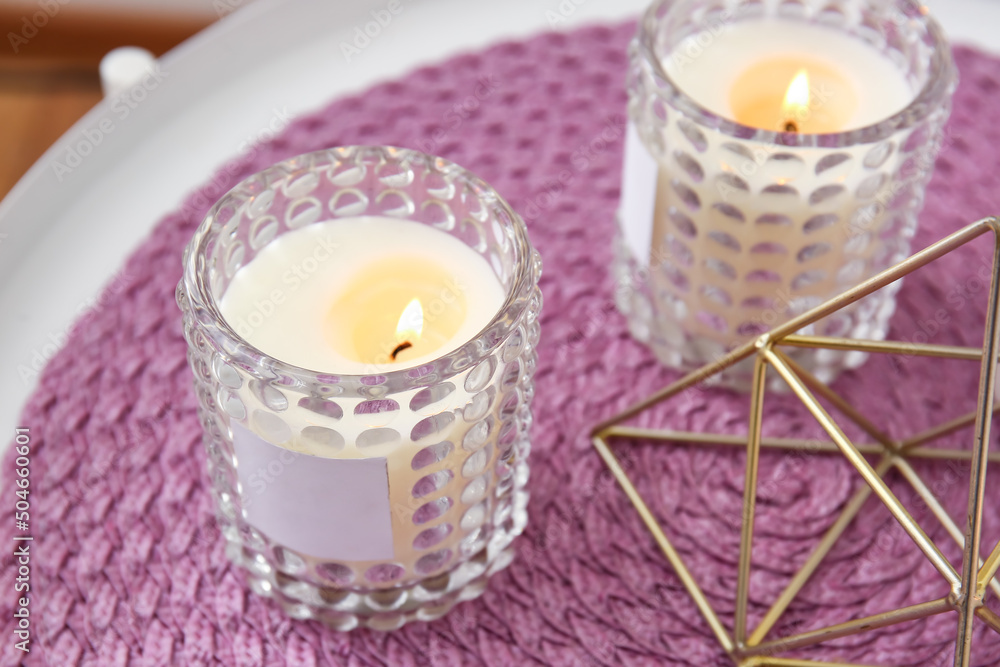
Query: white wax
(279, 302)
(707, 73)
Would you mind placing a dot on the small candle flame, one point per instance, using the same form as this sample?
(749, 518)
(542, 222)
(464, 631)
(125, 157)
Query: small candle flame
(797, 100)
(411, 322)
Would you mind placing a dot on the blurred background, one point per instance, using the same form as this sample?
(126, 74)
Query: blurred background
(50, 55)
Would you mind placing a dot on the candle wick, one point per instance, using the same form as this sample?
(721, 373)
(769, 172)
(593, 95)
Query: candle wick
(790, 126)
(399, 348)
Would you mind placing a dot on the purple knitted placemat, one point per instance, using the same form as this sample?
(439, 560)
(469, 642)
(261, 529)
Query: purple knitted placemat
(127, 565)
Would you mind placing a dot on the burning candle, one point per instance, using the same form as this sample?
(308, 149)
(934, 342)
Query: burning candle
(775, 158)
(410, 328)
(362, 324)
(795, 107)
(787, 78)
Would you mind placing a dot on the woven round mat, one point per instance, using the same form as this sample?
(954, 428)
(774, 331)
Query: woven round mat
(126, 563)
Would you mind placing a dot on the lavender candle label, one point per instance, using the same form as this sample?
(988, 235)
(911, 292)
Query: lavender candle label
(336, 509)
(638, 198)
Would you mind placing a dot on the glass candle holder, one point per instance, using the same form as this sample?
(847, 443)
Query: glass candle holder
(726, 230)
(365, 500)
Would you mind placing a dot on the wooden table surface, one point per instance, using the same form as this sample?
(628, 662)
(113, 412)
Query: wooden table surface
(49, 80)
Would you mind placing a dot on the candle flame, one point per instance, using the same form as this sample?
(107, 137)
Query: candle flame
(797, 98)
(411, 322)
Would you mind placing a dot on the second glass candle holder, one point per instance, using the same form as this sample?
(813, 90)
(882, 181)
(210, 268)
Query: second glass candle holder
(727, 229)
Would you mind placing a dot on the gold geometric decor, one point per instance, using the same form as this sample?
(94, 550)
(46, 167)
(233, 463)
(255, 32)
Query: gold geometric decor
(749, 647)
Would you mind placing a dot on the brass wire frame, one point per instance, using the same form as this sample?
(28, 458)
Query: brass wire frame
(747, 647)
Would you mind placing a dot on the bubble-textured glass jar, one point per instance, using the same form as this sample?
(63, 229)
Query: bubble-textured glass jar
(751, 226)
(450, 436)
